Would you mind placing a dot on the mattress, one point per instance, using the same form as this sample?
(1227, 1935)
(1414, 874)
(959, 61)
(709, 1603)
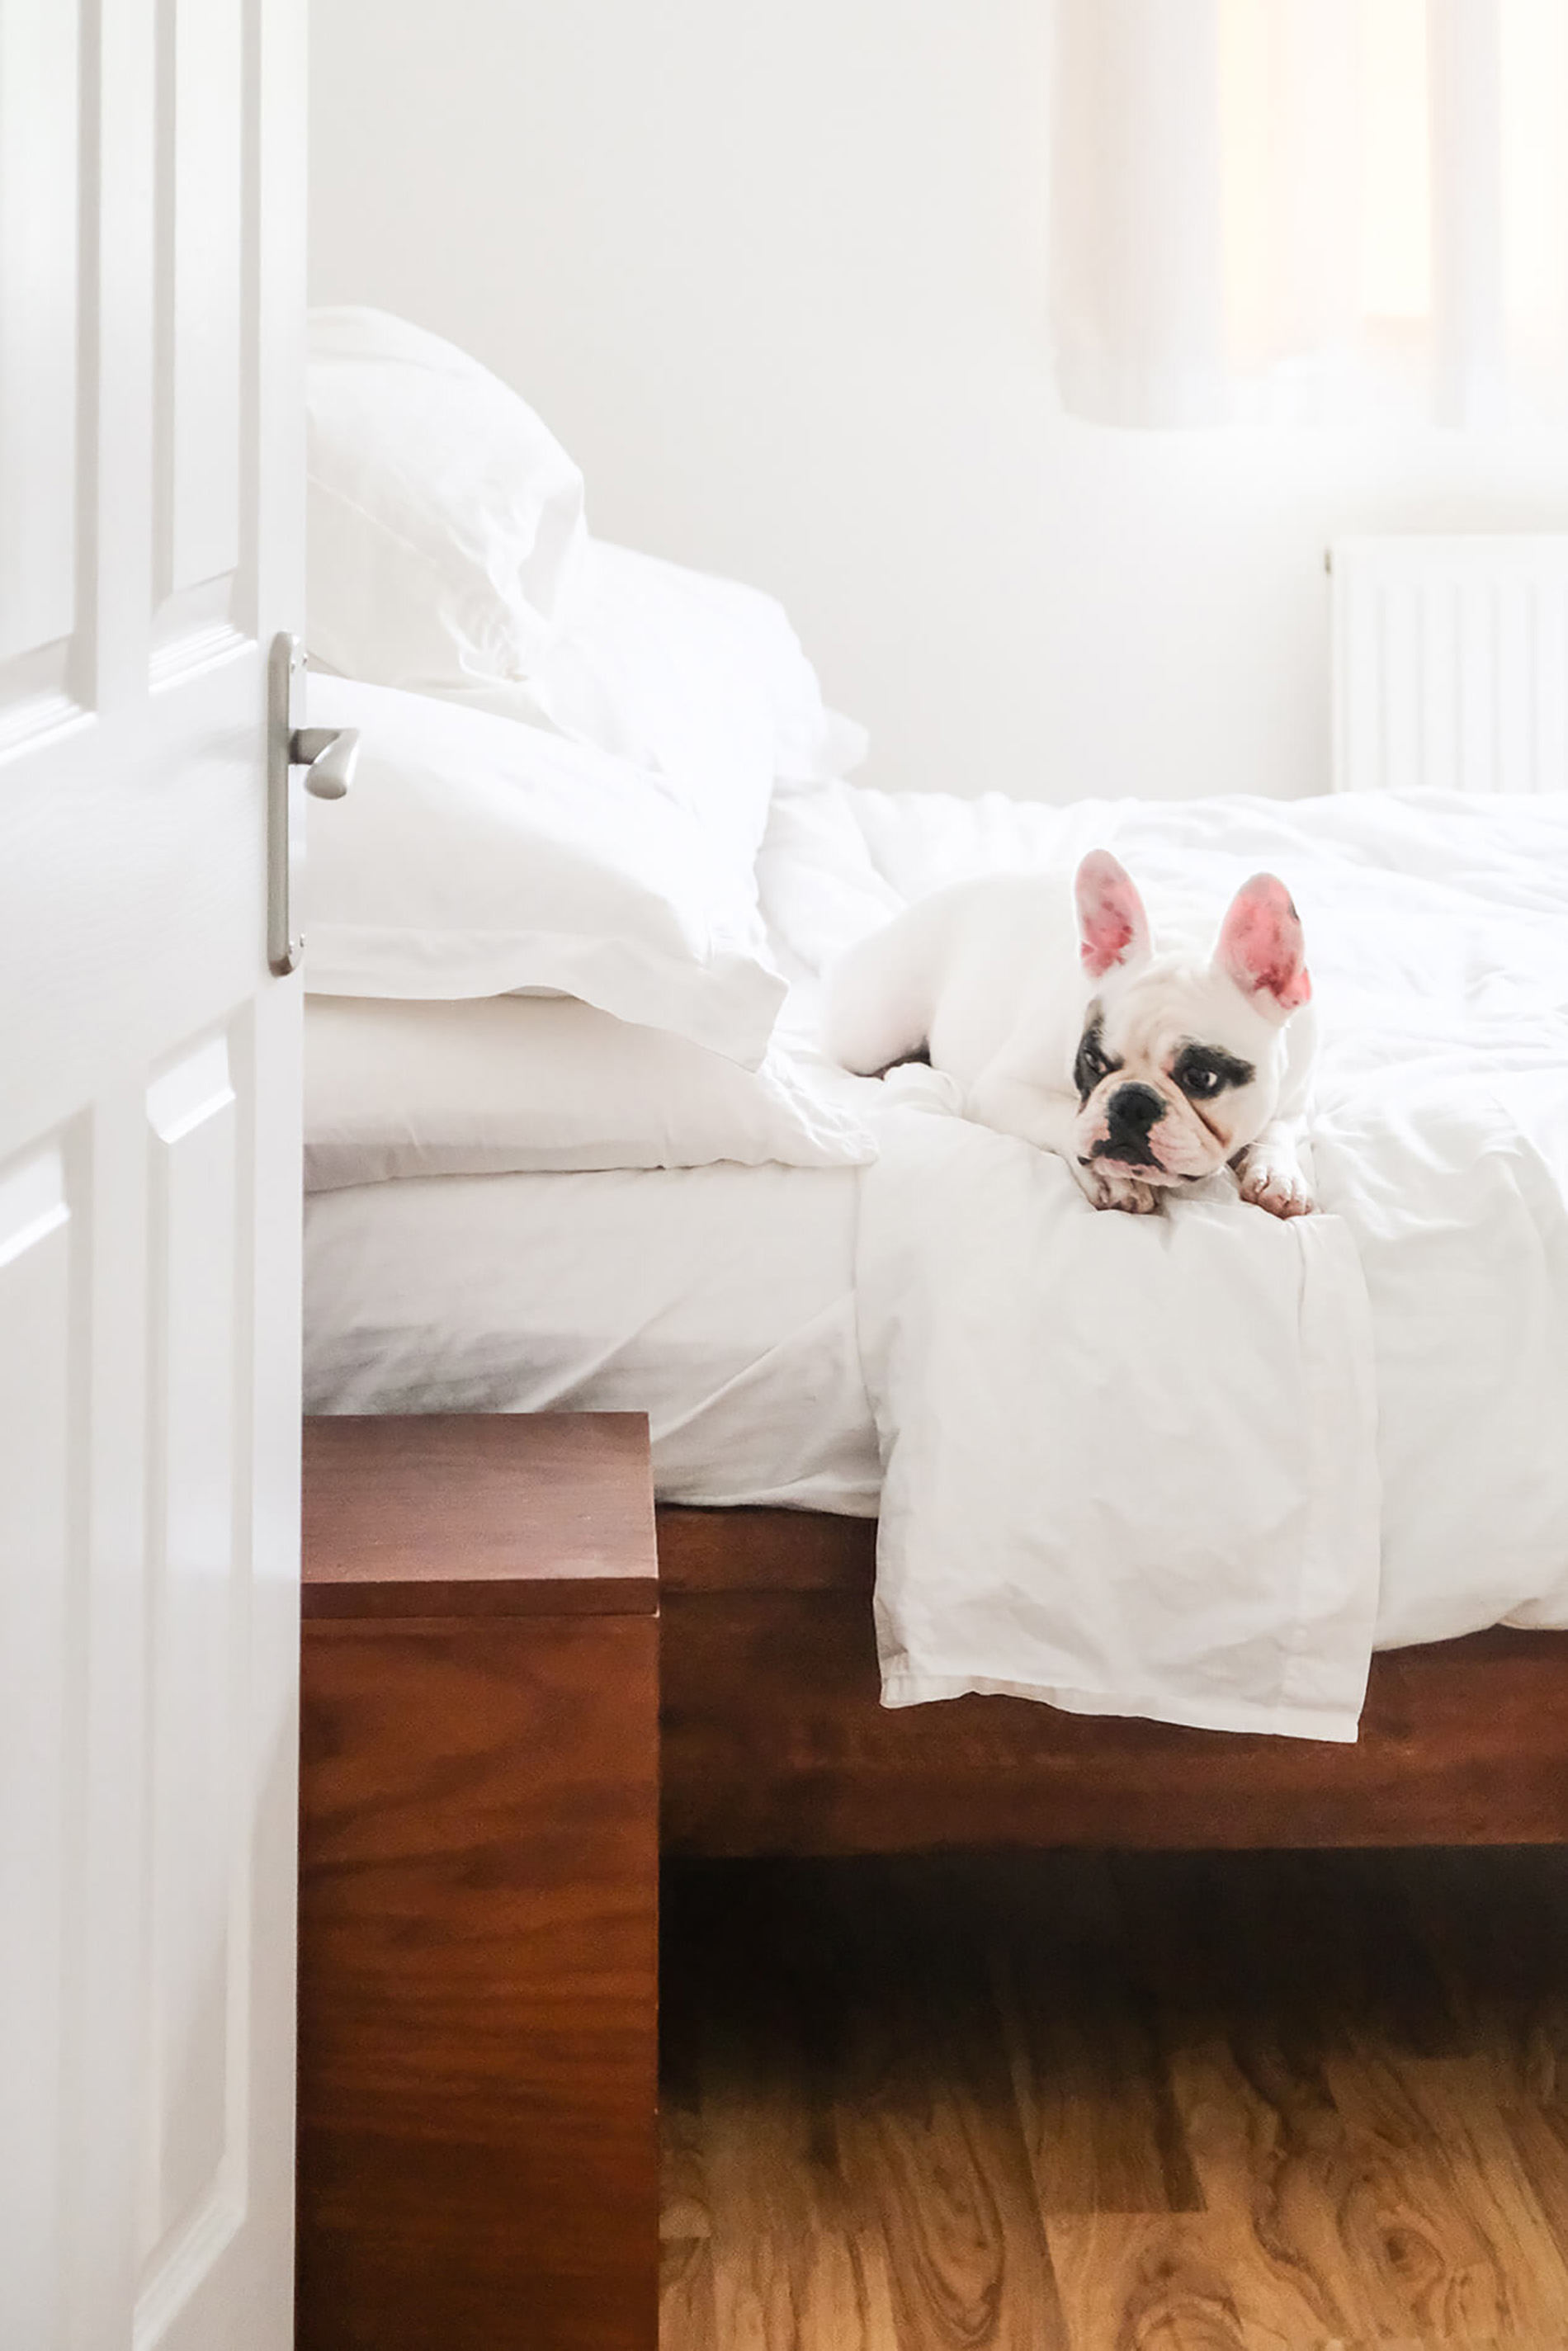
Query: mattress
(718, 1300)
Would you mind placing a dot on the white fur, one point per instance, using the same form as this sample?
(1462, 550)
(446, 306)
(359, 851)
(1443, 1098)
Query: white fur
(988, 976)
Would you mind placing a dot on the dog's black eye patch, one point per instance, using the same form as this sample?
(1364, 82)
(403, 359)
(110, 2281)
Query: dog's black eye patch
(1204, 1070)
(1094, 1063)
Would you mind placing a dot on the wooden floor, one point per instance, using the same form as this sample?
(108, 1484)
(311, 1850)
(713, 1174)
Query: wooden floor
(1147, 2103)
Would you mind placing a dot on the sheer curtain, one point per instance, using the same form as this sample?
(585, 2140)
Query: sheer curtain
(1313, 210)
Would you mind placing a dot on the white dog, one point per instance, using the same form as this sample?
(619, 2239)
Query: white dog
(1144, 1066)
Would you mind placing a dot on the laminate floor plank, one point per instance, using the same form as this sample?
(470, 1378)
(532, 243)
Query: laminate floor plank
(1499, 1930)
(1279, 2172)
(1163, 2103)
(1464, 2234)
(1081, 2032)
(1146, 2282)
(1261, 1978)
(928, 2127)
(683, 2209)
(1540, 2137)
(792, 2262)
(687, 2312)
(1253, 1978)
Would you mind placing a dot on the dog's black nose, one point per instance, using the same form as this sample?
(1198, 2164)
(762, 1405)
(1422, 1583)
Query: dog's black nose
(1132, 1111)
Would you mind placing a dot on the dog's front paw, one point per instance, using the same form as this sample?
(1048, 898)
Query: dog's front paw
(1125, 1192)
(1276, 1184)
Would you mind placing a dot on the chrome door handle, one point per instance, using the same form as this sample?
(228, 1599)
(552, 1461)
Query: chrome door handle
(329, 756)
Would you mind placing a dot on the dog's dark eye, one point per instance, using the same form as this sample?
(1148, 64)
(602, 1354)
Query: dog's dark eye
(1092, 1065)
(1204, 1070)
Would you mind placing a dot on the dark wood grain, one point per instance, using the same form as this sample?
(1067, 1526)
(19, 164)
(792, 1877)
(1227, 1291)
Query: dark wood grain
(476, 2008)
(775, 1741)
(477, 1920)
(547, 1512)
(765, 1551)
(876, 2065)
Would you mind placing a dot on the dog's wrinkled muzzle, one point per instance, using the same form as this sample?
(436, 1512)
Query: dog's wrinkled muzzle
(1131, 1116)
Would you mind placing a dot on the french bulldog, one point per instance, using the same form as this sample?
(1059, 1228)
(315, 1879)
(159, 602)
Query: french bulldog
(1145, 1066)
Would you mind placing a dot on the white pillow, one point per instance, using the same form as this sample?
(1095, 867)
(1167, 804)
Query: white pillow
(697, 680)
(445, 534)
(507, 1085)
(475, 857)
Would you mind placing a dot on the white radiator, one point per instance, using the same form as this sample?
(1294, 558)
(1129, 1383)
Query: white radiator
(1450, 664)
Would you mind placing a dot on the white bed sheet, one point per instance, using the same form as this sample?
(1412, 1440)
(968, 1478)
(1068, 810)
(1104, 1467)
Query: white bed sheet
(717, 1300)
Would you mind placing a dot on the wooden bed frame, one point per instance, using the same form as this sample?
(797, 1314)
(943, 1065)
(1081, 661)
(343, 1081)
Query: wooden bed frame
(774, 1742)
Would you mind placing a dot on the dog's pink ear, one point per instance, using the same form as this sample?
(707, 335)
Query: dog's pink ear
(1261, 947)
(1111, 924)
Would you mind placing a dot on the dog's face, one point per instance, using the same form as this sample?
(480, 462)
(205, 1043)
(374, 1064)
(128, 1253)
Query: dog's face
(1179, 1063)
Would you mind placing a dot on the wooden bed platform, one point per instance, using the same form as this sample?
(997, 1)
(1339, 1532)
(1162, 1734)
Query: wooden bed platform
(774, 1742)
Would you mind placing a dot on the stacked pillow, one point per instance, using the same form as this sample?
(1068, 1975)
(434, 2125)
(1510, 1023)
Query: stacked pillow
(698, 682)
(569, 755)
(476, 856)
(446, 536)
(514, 1085)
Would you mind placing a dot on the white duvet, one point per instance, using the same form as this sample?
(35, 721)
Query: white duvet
(1197, 1466)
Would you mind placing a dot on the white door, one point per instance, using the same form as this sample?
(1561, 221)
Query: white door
(150, 495)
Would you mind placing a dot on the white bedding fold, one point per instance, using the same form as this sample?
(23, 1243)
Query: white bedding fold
(1129, 1466)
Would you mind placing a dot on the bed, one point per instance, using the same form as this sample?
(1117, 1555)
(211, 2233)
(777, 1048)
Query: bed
(722, 1300)
(924, 1424)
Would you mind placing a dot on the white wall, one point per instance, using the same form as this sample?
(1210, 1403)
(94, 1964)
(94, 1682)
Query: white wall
(773, 271)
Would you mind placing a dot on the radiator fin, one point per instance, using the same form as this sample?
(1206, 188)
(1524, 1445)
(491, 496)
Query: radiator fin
(1450, 664)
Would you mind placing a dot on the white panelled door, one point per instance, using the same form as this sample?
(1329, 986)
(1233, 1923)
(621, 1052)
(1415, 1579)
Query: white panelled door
(151, 307)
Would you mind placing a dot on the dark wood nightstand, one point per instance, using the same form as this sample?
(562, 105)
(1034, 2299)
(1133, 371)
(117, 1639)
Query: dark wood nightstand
(478, 1886)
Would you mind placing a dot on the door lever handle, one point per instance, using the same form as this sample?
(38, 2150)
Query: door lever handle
(327, 755)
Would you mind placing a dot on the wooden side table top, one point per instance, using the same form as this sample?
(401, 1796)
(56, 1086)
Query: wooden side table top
(513, 1514)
